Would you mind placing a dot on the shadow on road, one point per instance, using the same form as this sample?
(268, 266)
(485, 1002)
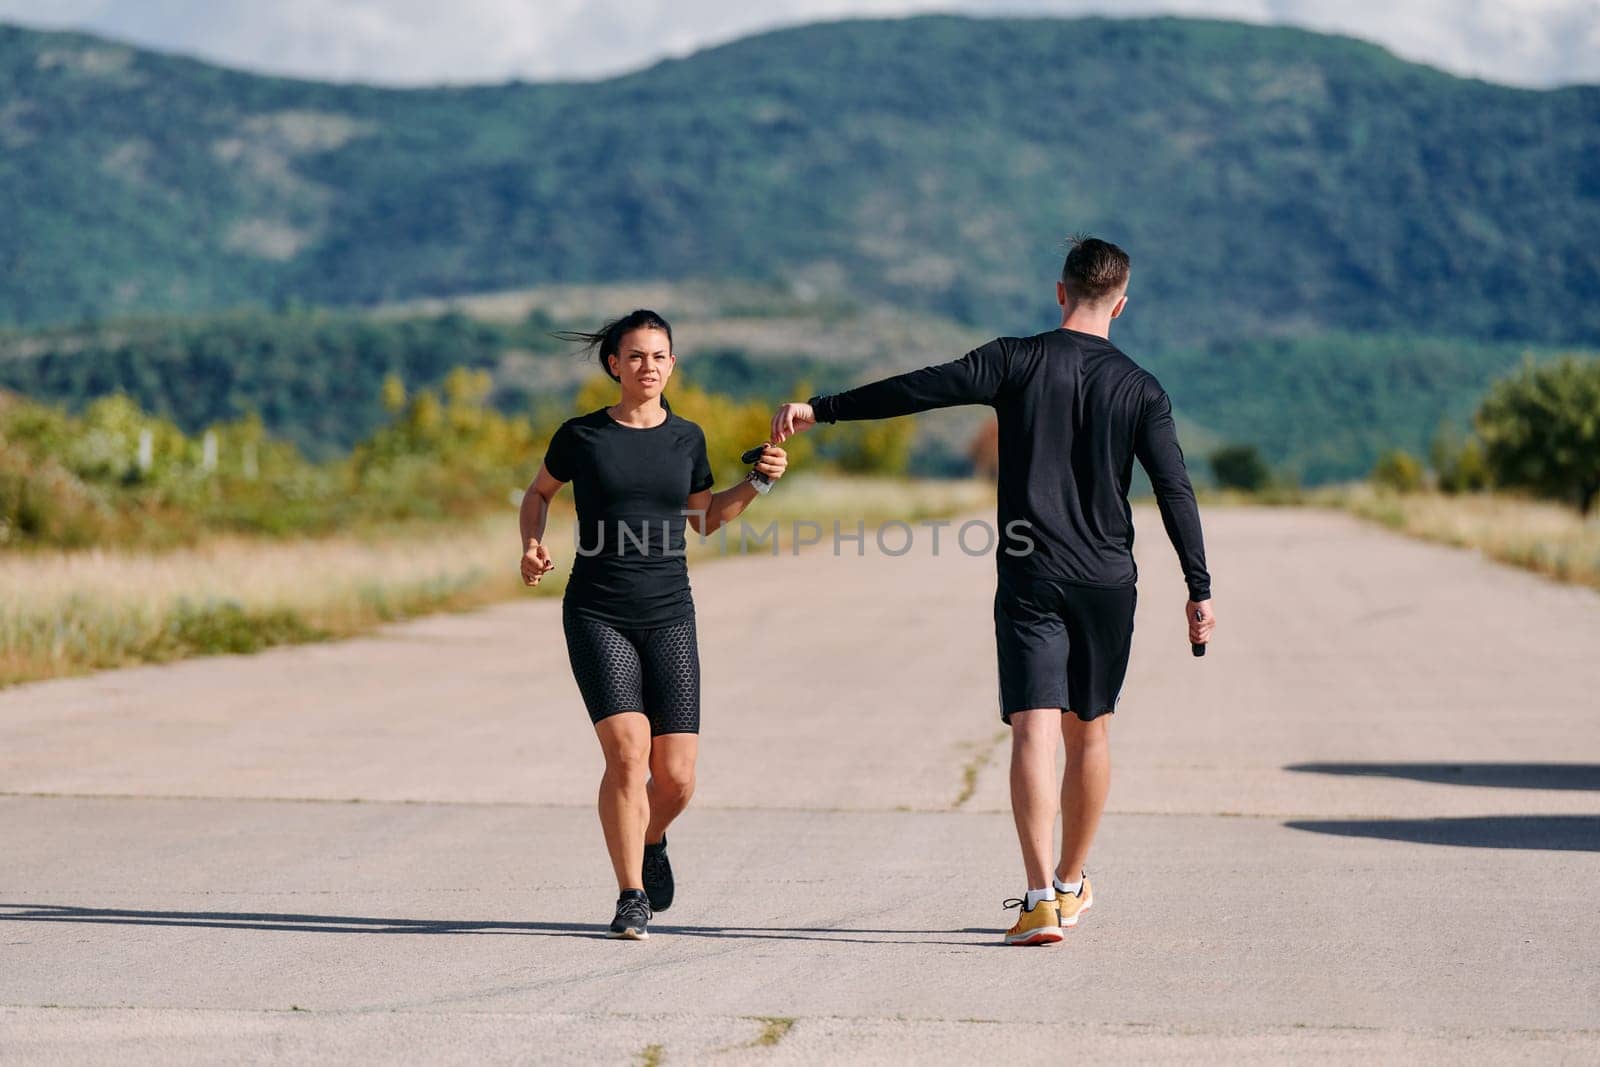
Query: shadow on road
(1583, 776)
(1561, 833)
(350, 924)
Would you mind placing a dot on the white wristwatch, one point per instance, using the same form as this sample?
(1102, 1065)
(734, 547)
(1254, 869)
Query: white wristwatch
(759, 482)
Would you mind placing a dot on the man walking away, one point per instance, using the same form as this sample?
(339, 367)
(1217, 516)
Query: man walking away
(1074, 412)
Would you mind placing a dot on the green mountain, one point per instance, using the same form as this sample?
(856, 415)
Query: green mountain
(1268, 182)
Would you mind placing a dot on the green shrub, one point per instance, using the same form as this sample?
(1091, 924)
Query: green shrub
(880, 446)
(43, 503)
(1399, 471)
(1459, 463)
(219, 627)
(1240, 467)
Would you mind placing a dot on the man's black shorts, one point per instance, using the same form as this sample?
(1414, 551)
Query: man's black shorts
(1062, 645)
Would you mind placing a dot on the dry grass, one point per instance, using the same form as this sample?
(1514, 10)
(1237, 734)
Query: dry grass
(1553, 540)
(67, 612)
(774, 1028)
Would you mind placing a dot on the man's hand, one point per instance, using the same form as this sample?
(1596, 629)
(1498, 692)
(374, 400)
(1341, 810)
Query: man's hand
(535, 564)
(1201, 621)
(792, 419)
(773, 462)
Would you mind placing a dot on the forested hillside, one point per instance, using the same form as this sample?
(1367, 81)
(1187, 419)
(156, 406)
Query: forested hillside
(1269, 182)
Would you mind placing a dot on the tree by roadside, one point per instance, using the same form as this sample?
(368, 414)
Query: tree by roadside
(1540, 429)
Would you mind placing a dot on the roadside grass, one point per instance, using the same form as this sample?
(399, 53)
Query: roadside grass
(68, 612)
(1536, 535)
(1547, 538)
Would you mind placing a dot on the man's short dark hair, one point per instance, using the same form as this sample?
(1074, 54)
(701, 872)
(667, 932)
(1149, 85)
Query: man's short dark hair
(1094, 269)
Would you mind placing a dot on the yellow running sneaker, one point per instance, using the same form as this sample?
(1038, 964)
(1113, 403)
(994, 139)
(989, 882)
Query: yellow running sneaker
(1073, 907)
(1041, 926)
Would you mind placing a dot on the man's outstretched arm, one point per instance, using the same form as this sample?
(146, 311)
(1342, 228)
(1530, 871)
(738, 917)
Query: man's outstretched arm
(973, 379)
(1157, 448)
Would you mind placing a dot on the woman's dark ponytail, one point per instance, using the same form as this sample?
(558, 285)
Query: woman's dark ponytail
(607, 340)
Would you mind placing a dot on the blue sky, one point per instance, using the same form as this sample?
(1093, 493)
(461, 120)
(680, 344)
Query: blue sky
(412, 42)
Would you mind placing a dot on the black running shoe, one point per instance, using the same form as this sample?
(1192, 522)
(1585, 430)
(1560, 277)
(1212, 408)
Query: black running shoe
(633, 916)
(658, 884)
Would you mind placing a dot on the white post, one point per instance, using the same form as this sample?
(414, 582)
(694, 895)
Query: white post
(208, 451)
(147, 450)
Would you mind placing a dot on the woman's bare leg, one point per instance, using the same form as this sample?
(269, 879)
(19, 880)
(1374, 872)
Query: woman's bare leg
(624, 799)
(672, 759)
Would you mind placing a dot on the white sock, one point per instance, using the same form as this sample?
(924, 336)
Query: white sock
(1036, 895)
(1068, 889)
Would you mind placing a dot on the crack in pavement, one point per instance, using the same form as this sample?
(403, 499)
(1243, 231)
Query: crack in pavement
(975, 766)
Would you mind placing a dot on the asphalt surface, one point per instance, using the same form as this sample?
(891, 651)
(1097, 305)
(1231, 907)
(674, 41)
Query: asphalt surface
(1366, 825)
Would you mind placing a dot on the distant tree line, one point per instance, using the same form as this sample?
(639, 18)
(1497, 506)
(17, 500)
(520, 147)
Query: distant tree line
(1317, 409)
(116, 474)
(311, 377)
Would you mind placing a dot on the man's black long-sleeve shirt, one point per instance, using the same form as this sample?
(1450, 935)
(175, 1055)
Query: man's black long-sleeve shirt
(1074, 412)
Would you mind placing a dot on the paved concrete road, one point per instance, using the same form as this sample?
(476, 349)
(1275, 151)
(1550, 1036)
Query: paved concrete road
(1366, 826)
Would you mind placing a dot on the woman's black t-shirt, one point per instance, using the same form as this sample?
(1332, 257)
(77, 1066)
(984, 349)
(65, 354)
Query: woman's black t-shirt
(631, 487)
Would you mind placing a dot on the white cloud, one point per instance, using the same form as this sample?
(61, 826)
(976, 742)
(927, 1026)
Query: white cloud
(411, 42)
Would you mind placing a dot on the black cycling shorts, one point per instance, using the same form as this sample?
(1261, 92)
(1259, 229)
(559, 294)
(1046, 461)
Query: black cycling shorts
(654, 671)
(1062, 645)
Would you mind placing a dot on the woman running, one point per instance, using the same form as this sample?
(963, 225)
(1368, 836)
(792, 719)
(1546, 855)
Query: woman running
(637, 471)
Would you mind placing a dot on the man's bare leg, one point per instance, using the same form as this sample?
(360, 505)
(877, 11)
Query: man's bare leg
(1033, 788)
(1083, 789)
